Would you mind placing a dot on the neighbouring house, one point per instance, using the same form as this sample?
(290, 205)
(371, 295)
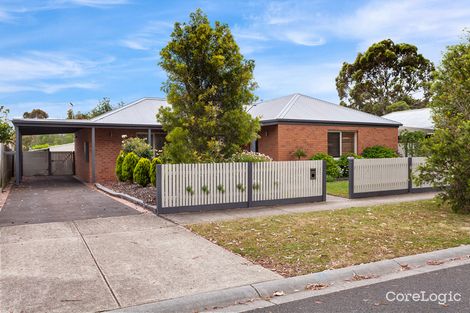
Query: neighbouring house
(299, 121)
(287, 123)
(413, 120)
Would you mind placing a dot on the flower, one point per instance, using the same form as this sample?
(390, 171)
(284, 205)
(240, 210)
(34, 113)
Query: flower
(124, 136)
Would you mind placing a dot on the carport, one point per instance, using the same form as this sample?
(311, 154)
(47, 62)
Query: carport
(25, 127)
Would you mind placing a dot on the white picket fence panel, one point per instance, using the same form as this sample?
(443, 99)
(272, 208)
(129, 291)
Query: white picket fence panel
(185, 184)
(286, 180)
(415, 163)
(372, 175)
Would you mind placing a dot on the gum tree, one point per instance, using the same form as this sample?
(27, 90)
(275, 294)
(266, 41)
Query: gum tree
(448, 164)
(209, 84)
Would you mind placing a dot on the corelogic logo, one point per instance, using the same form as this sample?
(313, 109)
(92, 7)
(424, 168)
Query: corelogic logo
(423, 296)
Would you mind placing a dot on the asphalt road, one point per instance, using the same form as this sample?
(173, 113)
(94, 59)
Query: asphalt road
(373, 298)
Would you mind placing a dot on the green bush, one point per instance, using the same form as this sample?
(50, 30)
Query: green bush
(378, 152)
(137, 145)
(248, 156)
(153, 170)
(332, 169)
(142, 172)
(118, 168)
(40, 147)
(343, 163)
(128, 165)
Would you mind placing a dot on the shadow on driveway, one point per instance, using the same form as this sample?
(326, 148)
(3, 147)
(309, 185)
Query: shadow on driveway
(57, 199)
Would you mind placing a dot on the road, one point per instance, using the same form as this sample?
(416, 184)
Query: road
(373, 298)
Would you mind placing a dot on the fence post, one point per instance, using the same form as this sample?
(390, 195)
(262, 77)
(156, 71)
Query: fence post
(410, 174)
(159, 185)
(323, 196)
(351, 177)
(49, 162)
(249, 187)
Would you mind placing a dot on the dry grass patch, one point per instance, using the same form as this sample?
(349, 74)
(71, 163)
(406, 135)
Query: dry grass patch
(298, 244)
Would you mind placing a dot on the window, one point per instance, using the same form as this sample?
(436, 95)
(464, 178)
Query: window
(86, 151)
(340, 143)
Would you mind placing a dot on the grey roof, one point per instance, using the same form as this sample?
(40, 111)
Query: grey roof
(418, 119)
(301, 108)
(142, 111)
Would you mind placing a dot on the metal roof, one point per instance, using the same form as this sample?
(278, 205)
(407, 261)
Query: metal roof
(418, 119)
(304, 109)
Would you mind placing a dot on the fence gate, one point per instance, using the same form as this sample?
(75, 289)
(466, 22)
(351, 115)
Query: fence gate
(36, 163)
(62, 163)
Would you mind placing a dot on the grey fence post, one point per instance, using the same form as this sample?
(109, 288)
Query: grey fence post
(158, 185)
(323, 180)
(249, 187)
(410, 174)
(351, 177)
(49, 162)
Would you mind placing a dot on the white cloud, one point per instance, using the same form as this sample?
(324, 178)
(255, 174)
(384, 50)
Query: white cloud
(151, 36)
(47, 88)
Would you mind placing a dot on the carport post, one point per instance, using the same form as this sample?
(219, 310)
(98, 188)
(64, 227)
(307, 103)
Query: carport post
(18, 163)
(93, 155)
(149, 136)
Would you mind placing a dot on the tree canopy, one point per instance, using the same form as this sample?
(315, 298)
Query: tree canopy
(209, 84)
(448, 163)
(384, 75)
(36, 113)
(6, 130)
(103, 106)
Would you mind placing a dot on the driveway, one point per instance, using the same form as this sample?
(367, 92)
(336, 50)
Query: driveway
(45, 199)
(90, 265)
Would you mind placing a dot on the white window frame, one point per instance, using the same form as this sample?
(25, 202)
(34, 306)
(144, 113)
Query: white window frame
(341, 140)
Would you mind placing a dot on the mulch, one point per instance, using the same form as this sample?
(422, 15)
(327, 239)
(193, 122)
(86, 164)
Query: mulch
(146, 194)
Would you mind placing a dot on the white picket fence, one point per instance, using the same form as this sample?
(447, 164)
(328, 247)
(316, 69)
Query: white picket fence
(182, 187)
(384, 176)
(286, 180)
(203, 184)
(371, 175)
(415, 163)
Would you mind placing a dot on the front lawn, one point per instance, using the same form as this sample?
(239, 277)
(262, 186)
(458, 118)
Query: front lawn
(298, 244)
(338, 188)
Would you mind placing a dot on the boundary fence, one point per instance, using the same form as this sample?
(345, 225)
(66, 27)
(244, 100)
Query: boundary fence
(212, 186)
(379, 177)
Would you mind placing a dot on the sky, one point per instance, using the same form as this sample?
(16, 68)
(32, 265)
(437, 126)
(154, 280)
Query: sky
(53, 52)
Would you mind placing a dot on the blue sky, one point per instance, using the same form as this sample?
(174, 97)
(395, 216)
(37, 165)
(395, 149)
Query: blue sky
(53, 52)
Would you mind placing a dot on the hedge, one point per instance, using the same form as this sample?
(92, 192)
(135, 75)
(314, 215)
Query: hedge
(378, 152)
(332, 169)
(153, 170)
(142, 172)
(118, 168)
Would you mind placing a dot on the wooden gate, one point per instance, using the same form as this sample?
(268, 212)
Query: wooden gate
(62, 163)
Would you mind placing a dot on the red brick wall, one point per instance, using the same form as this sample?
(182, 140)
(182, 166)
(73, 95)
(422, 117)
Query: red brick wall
(108, 145)
(279, 141)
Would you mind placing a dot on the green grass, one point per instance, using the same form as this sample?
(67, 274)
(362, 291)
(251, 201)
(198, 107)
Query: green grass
(338, 188)
(298, 244)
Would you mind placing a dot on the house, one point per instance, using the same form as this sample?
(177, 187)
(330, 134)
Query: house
(299, 121)
(413, 120)
(287, 123)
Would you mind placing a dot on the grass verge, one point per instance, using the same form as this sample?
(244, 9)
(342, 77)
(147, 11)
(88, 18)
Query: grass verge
(298, 244)
(338, 188)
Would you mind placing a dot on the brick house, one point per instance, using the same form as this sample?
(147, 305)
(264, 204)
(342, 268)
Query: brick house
(288, 123)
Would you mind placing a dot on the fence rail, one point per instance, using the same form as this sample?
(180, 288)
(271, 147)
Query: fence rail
(195, 187)
(375, 177)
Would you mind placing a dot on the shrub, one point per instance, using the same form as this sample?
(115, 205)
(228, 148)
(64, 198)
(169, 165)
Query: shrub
(248, 156)
(332, 169)
(153, 170)
(343, 163)
(128, 165)
(137, 145)
(378, 152)
(118, 168)
(40, 147)
(299, 153)
(142, 172)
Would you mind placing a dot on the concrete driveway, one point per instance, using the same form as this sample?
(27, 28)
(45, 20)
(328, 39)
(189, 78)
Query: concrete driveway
(101, 264)
(46, 199)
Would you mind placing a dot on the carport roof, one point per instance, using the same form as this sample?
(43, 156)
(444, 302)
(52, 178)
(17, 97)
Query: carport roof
(139, 114)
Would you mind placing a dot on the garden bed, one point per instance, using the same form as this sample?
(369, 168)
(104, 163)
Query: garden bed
(298, 244)
(147, 194)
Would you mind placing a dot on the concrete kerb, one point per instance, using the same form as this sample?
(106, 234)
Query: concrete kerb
(287, 286)
(126, 197)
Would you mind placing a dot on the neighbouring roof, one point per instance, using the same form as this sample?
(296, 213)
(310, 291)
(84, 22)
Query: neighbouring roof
(305, 109)
(418, 119)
